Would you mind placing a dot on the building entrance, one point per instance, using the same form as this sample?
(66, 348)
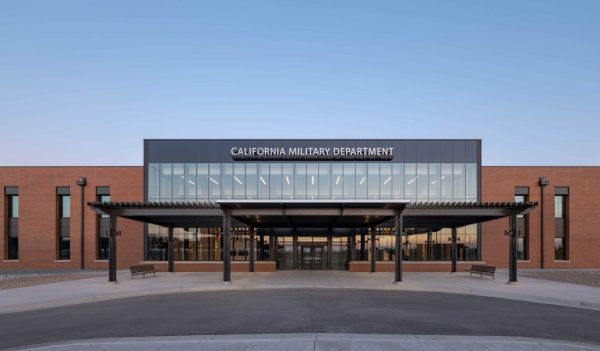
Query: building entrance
(312, 257)
(312, 252)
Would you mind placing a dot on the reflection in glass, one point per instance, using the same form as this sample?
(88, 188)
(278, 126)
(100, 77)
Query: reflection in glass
(202, 181)
(214, 177)
(153, 176)
(165, 181)
(324, 180)
(422, 181)
(251, 181)
(410, 181)
(239, 181)
(226, 180)
(373, 180)
(189, 182)
(312, 181)
(287, 180)
(459, 182)
(385, 181)
(178, 180)
(349, 181)
(447, 183)
(361, 181)
(300, 180)
(471, 181)
(398, 180)
(434, 182)
(263, 180)
(275, 184)
(337, 181)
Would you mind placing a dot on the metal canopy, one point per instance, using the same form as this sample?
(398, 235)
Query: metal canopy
(178, 214)
(324, 214)
(312, 213)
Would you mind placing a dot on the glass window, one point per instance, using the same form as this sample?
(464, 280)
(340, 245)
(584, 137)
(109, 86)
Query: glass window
(166, 171)
(300, 181)
(178, 180)
(447, 182)
(337, 181)
(471, 181)
(349, 181)
(251, 181)
(398, 180)
(13, 211)
(324, 180)
(312, 181)
(202, 181)
(410, 178)
(559, 206)
(226, 180)
(190, 181)
(459, 182)
(275, 184)
(153, 176)
(65, 206)
(239, 180)
(361, 181)
(373, 180)
(434, 182)
(214, 177)
(385, 180)
(422, 181)
(288, 180)
(263, 180)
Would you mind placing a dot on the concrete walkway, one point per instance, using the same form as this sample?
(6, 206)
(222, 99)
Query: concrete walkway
(313, 342)
(98, 289)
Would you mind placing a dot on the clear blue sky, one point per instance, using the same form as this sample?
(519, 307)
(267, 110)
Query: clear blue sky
(83, 82)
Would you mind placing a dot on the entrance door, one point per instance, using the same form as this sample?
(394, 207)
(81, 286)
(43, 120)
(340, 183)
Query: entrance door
(312, 256)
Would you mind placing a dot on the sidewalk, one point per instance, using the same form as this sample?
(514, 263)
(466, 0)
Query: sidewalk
(314, 342)
(98, 289)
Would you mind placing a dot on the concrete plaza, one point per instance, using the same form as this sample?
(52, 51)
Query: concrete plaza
(98, 289)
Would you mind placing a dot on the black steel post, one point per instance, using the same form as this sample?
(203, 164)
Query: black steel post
(398, 227)
(429, 246)
(251, 262)
(329, 247)
(542, 182)
(272, 248)
(373, 262)
(362, 245)
(352, 247)
(112, 251)
(513, 248)
(171, 250)
(454, 250)
(295, 250)
(261, 240)
(82, 181)
(226, 245)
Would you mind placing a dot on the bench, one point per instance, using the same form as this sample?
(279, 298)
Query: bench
(482, 270)
(142, 269)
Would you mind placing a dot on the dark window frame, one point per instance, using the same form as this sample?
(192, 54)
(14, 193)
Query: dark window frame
(562, 223)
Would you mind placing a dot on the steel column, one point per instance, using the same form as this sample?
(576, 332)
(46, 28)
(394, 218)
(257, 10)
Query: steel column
(352, 248)
(454, 250)
(112, 249)
(251, 253)
(373, 262)
(329, 247)
(295, 251)
(399, 228)
(362, 245)
(171, 250)
(226, 246)
(81, 184)
(512, 254)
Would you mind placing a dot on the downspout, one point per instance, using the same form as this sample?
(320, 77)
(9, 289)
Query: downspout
(542, 182)
(81, 182)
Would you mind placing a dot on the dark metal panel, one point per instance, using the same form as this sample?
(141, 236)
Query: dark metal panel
(65, 227)
(13, 227)
(522, 190)
(102, 190)
(218, 150)
(63, 190)
(11, 190)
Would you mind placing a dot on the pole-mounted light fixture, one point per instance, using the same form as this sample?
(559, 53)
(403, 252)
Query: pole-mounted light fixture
(82, 182)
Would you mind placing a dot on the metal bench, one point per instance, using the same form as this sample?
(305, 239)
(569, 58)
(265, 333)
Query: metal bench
(482, 270)
(142, 269)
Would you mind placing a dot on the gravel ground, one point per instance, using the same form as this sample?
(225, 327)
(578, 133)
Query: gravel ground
(589, 278)
(20, 281)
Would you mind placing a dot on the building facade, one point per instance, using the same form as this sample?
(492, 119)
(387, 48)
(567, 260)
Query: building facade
(44, 218)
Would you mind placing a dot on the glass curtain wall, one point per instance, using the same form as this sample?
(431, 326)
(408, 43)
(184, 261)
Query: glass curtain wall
(316, 180)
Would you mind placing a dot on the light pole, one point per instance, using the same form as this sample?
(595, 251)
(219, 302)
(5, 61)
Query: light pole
(81, 182)
(542, 182)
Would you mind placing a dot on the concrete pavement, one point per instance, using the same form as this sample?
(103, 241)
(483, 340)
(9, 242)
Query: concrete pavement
(98, 289)
(317, 342)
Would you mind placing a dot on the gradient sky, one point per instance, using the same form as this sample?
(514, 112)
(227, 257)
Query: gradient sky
(84, 82)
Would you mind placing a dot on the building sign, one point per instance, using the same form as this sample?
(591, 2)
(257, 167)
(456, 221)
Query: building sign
(312, 153)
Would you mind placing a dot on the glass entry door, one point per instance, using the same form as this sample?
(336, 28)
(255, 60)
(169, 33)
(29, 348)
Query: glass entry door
(312, 257)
